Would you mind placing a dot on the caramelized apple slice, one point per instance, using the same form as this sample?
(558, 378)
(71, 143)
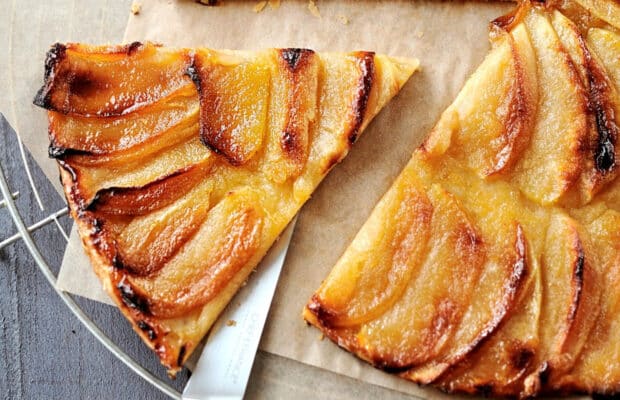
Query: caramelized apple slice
(423, 319)
(147, 242)
(110, 80)
(493, 298)
(596, 369)
(182, 132)
(74, 134)
(293, 101)
(385, 256)
(563, 307)
(496, 109)
(603, 107)
(551, 163)
(497, 366)
(150, 197)
(92, 180)
(234, 94)
(231, 232)
(608, 11)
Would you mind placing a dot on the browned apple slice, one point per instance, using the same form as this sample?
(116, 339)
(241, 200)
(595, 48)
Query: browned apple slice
(493, 299)
(386, 256)
(597, 369)
(497, 367)
(74, 134)
(608, 11)
(89, 181)
(146, 243)
(295, 89)
(110, 80)
(150, 197)
(599, 166)
(494, 113)
(192, 277)
(234, 95)
(551, 163)
(567, 309)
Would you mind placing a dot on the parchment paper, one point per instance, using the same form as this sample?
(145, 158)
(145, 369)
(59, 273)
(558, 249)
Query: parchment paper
(450, 39)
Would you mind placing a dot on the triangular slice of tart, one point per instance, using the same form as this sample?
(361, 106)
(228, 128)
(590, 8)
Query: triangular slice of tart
(182, 166)
(491, 263)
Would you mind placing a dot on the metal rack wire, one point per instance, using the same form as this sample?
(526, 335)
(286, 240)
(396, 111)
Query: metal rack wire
(24, 233)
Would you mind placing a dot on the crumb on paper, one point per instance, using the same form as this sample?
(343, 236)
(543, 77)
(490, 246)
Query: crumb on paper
(314, 10)
(321, 337)
(207, 2)
(343, 20)
(419, 34)
(136, 8)
(231, 322)
(260, 6)
(274, 4)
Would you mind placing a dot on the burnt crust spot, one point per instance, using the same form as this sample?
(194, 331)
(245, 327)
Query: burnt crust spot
(485, 389)
(296, 58)
(322, 314)
(145, 327)
(521, 358)
(55, 151)
(578, 271)
(54, 56)
(182, 352)
(192, 73)
(131, 298)
(132, 48)
(544, 374)
(605, 150)
(289, 140)
(366, 65)
(390, 368)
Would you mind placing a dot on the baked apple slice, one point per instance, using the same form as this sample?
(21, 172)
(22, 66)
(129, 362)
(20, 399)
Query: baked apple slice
(599, 166)
(489, 124)
(596, 369)
(550, 164)
(498, 366)
(182, 166)
(569, 301)
(608, 11)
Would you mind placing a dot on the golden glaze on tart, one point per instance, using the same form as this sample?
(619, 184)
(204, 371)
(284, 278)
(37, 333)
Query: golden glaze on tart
(182, 166)
(492, 264)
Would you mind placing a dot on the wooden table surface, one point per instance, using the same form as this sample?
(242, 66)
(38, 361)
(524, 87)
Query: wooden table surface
(45, 353)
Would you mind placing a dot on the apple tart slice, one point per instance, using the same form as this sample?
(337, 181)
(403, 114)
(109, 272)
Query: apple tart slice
(182, 166)
(491, 264)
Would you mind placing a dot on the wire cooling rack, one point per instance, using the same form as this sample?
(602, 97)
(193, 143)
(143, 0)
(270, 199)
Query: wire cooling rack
(24, 233)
